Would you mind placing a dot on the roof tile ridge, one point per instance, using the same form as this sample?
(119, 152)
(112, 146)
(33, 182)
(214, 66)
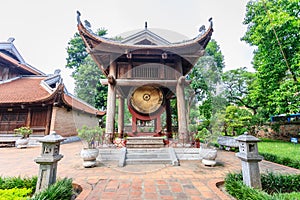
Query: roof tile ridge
(47, 87)
(81, 101)
(10, 80)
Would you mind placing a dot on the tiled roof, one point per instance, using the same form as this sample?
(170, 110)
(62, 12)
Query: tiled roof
(22, 66)
(30, 90)
(23, 90)
(80, 105)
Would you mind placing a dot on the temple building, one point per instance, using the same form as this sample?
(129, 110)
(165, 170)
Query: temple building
(148, 71)
(29, 97)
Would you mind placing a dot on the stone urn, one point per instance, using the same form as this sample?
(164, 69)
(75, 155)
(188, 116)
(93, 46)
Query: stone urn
(22, 143)
(89, 156)
(208, 156)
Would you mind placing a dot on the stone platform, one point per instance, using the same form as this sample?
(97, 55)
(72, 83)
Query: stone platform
(145, 142)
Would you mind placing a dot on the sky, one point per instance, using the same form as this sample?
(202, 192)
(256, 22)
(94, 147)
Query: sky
(42, 29)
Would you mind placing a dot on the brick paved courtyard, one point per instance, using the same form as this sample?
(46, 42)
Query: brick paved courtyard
(190, 180)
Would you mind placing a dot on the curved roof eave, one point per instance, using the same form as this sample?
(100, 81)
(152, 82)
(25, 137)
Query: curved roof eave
(97, 43)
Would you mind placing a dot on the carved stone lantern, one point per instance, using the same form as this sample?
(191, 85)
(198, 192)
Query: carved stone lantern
(248, 153)
(48, 160)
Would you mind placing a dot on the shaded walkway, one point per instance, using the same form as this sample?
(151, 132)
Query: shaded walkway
(191, 180)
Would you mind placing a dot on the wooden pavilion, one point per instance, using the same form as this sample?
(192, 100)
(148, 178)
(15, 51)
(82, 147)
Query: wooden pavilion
(148, 71)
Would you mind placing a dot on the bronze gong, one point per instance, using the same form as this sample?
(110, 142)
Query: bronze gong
(146, 99)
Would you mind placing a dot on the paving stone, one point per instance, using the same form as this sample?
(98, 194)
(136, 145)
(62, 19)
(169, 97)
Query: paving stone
(191, 180)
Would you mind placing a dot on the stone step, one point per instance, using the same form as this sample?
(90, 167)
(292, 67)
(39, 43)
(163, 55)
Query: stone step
(147, 161)
(145, 142)
(187, 153)
(109, 154)
(148, 156)
(144, 145)
(155, 150)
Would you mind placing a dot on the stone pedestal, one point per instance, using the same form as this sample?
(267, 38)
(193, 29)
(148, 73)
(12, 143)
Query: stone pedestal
(248, 153)
(48, 160)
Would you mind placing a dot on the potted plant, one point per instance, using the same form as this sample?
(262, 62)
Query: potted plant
(24, 132)
(91, 137)
(207, 152)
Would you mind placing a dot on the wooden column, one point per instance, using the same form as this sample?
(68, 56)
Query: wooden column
(182, 120)
(28, 122)
(48, 120)
(158, 124)
(53, 117)
(121, 117)
(134, 124)
(111, 100)
(168, 118)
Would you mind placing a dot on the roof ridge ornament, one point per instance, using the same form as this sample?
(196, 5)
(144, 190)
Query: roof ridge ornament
(211, 22)
(78, 17)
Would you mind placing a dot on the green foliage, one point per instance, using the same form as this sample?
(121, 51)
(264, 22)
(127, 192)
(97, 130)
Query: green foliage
(62, 189)
(77, 51)
(234, 186)
(91, 135)
(281, 160)
(88, 86)
(17, 182)
(281, 152)
(237, 120)
(203, 135)
(101, 95)
(288, 183)
(206, 77)
(24, 131)
(279, 183)
(239, 88)
(15, 193)
(86, 73)
(273, 27)
(287, 196)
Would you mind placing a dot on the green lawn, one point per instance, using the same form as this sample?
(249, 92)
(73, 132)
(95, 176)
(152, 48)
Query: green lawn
(280, 148)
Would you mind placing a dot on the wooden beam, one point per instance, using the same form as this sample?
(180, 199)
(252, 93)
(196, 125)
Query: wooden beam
(136, 82)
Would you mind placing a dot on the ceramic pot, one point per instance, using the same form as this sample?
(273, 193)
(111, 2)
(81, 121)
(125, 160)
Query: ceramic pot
(89, 157)
(22, 143)
(208, 156)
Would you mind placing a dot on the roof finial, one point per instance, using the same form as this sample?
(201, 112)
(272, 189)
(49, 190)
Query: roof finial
(78, 17)
(211, 22)
(11, 40)
(146, 26)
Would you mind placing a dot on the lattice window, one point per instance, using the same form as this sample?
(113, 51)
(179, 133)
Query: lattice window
(146, 72)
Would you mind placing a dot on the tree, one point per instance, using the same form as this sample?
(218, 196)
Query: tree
(88, 86)
(206, 77)
(77, 51)
(239, 88)
(273, 27)
(237, 120)
(86, 73)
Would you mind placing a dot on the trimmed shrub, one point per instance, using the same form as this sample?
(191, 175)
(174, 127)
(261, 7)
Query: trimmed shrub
(275, 187)
(18, 182)
(15, 193)
(62, 189)
(235, 187)
(281, 160)
(280, 183)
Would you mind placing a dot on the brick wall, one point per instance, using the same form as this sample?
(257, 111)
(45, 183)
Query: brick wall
(283, 131)
(67, 122)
